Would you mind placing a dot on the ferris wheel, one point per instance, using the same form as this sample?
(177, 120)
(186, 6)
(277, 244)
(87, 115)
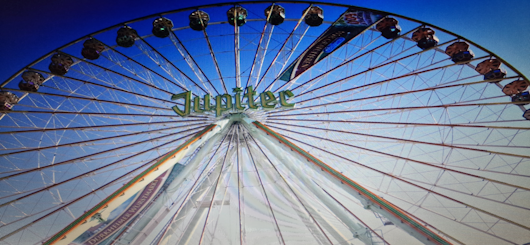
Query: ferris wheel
(266, 123)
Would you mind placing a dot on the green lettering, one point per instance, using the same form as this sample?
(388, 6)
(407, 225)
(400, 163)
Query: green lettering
(187, 99)
(197, 105)
(207, 105)
(238, 99)
(225, 103)
(283, 99)
(219, 108)
(268, 100)
(250, 97)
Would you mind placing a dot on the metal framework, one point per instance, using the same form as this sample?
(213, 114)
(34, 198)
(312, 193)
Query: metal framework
(387, 144)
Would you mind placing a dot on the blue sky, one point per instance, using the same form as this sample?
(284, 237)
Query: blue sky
(32, 28)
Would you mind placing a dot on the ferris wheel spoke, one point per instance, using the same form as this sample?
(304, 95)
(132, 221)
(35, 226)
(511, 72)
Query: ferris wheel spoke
(216, 185)
(115, 181)
(94, 123)
(91, 186)
(354, 57)
(396, 78)
(294, 39)
(171, 69)
(214, 59)
(197, 70)
(100, 114)
(138, 69)
(434, 90)
(94, 100)
(88, 173)
(238, 172)
(452, 219)
(294, 193)
(75, 85)
(96, 127)
(110, 78)
(197, 187)
(409, 108)
(353, 188)
(295, 36)
(406, 123)
(452, 146)
(261, 51)
(427, 190)
(26, 171)
(498, 164)
(94, 140)
(22, 201)
(237, 54)
(441, 167)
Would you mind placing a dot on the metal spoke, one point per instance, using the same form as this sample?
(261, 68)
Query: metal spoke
(104, 69)
(126, 58)
(98, 114)
(99, 139)
(102, 187)
(282, 49)
(109, 87)
(417, 186)
(186, 199)
(412, 160)
(26, 171)
(94, 100)
(217, 68)
(380, 96)
(406, 123)
(95, 127)
(197, 70)
(168, 66)
(261, 51)
(400, 140)
(85, 174)
(218, 181)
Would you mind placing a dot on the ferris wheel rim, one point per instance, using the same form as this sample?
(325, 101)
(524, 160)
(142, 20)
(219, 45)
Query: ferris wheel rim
(249, 2)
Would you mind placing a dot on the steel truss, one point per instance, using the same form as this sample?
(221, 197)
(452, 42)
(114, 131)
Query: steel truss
(387, 144)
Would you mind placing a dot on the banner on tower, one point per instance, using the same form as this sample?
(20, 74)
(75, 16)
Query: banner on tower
(349, 25)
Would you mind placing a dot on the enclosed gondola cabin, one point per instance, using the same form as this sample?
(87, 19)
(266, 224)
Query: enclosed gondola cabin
(275, 14)
(199, 20)
(162, 27)
(31, 81)
(389, 28)
(515, 87)
(92, 49)
(237, 15)
(7, 100)
(425, 38)
(459, 52)
(314, 16)
(522, 98)
(126, 37)
(60, 64)
(491, 69)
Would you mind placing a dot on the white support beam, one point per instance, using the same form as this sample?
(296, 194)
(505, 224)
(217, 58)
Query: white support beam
(158, 215)
(398, 217)
(106, 206)
(295, 164)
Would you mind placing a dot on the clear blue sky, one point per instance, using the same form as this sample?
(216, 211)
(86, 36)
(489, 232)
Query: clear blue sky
(30, 28)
